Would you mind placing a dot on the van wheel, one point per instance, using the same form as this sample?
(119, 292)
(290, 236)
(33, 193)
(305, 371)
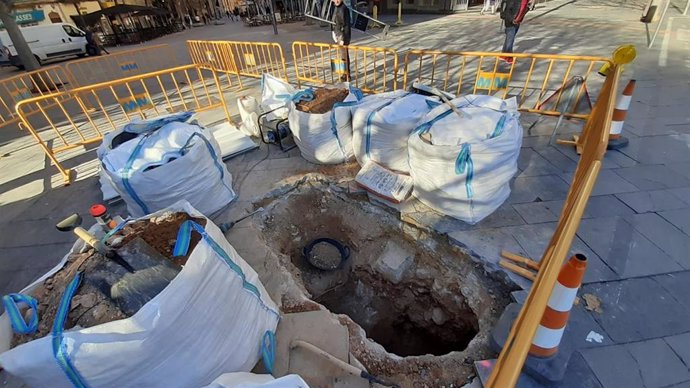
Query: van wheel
(82, 55)
(38, 60)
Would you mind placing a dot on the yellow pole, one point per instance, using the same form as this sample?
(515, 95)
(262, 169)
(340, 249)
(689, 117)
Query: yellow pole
(399, 22)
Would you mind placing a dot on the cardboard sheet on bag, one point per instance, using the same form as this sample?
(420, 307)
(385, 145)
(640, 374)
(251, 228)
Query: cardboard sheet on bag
(232, 143)
(384, 183)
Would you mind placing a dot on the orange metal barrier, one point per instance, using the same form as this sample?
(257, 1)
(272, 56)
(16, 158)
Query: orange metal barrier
(66, 120)
(593, 141)
(46, 80)
(249, 59)
(372, 69)
(546, 84)
(103, 68)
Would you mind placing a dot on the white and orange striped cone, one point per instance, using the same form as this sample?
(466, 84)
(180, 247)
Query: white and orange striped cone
(616, 140)
(555, 318)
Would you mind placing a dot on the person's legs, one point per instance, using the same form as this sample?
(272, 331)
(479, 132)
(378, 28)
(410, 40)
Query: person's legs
(511, 31)
(345, 56)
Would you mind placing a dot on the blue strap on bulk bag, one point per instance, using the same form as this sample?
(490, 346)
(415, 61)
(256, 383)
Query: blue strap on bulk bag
(19, 325)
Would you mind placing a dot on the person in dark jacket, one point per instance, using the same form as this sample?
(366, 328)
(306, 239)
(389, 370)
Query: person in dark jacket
(342, 33)
(512, 13)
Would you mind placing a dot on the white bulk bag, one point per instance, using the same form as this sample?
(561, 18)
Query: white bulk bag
(325, 138)
(381, 126)
(165, 164)
(249, 115)
(210, 319)
(275, 93)
(465, 169)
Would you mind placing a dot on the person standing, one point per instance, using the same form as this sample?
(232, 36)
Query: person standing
(489, 5)
(512, 13)
(341, 34)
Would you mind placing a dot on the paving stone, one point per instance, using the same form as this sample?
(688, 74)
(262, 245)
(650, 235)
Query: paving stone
(539, 212)
(664, 235)
(651, 201)
(531, 163)
(27, 233)
(44, 255)
(623, 249)
(613, 366)
(658, 149)
(615, 158)
(658, 363)
(608, 182)
(557, 157)
(680, 218)
(677, 284)
(537, 188)
(535, 238)
(535, 142)
(682, 193)
(638, 309)
(681, 345)
(653, 177)
(680, 168)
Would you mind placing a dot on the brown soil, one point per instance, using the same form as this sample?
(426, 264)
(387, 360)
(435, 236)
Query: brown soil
(90, 306)
(323, 101)
(433, 322)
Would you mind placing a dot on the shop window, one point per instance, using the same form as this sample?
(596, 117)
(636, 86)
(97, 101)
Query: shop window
(55, 17)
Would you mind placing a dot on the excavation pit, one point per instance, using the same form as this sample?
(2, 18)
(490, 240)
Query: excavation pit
(419, 309)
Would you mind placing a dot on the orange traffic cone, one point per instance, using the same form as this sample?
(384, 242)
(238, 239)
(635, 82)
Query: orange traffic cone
(555, 318)
(617, 141)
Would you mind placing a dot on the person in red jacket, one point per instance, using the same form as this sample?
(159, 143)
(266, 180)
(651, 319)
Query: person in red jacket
(512, 13)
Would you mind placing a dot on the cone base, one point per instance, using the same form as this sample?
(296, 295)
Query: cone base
(617, 143)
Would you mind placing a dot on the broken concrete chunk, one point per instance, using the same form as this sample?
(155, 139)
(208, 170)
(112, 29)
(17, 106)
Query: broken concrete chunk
(394, 262)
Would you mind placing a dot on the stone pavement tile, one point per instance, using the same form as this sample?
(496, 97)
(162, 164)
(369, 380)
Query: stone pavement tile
(13, 259)
(613, 366)
(538, 212)
(608, 182)
(664, 235)
(615, 158)
(658, 149)
(625, 250)
(651, 201)
(658, 363)
(535, 141)
(21, 233)
(638, 309)
(681, 345)
(15, 281)
(579, 374)
(530, 189)
(535, 238)
(680, 168)
(598, 206)
(653, 177)
(680, 218)
(557, 156)
(678, 285)
(682, 193)
(531, 163)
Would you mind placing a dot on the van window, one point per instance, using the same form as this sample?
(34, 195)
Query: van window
(71, 31)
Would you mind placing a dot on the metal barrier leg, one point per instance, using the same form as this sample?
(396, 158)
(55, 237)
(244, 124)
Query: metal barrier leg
(66, 173)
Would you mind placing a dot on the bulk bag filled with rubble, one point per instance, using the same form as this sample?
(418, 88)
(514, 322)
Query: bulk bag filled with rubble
(462, 166)
(212, 318)
(155, 163)
(275, 94)
(382, 124)
(322, 129)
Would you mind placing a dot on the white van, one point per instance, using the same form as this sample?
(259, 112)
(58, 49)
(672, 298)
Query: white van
(47, 42)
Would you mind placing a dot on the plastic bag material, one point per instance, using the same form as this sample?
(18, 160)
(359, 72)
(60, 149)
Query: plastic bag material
(251, 380)
(462, 166)
(210, 319)
(325, 138)
(249, 115)
(275, 93)
(158, 168)
(382, 124)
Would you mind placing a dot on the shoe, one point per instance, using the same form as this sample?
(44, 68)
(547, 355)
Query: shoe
(508, 60)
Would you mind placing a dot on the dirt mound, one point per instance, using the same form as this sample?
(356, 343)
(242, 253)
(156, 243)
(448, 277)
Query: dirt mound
(323, 101)
(90, 305)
